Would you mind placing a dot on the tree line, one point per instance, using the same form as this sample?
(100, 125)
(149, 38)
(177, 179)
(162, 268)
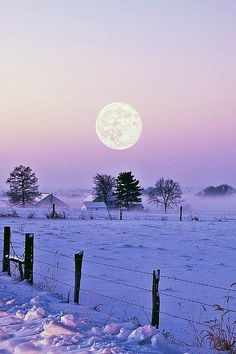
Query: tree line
(217, 191)
(125, 188)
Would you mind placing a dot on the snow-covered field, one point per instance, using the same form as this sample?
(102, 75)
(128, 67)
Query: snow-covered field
(33, 321)
(119, 257)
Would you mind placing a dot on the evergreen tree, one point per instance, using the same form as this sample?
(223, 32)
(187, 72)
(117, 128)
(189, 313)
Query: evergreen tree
(128, 190)
(23, 186)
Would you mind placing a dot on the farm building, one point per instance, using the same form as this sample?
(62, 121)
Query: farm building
(111, 201)
(93, 206)
(46, 200)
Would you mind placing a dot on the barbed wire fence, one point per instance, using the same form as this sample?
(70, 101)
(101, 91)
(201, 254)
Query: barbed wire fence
(22, 265)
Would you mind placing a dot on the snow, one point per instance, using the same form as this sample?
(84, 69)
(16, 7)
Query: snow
(142, 333)
(41, 197)
(32, 329)
(114, 317)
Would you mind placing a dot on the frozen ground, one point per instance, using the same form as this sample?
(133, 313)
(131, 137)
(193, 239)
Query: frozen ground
(33, 321)
(196, 251)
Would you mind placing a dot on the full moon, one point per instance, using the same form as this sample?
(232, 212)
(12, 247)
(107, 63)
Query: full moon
(118, 126)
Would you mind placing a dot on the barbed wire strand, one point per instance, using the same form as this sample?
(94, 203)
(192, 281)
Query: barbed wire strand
(127, 302)
(198, 283)
(54, 253)
(118, 267)
(53, 265)
(148, 273)
(175, 339)
(196, 302)
(138, 271)
(142, 272)
(135, 287)
(94, 277)
(132, 304)
(14, 252)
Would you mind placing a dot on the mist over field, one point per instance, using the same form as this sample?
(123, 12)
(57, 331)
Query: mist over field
(192, 203)
(199, 203)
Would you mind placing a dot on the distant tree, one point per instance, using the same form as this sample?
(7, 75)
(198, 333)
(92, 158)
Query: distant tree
(220, 191)
(128, 190)
(23, 186)
(104, 186)
(166, 192)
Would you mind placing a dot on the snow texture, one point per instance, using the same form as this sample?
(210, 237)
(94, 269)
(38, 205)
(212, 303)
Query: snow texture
(32, 320)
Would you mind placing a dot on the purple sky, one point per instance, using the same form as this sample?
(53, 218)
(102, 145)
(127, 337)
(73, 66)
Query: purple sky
(173, 61)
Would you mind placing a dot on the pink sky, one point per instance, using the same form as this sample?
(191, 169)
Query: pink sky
(173, 61)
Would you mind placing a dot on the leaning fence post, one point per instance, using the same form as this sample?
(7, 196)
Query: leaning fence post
(29, 257)
(181, 213)
(6, 249)
(155, 298)
(78, 272)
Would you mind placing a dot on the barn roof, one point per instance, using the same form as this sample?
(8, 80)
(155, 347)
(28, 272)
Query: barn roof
(48, 197)
(89, 198)
(42, 196)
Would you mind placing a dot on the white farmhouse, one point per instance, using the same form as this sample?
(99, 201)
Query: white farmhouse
(46, 200)
(93, 206)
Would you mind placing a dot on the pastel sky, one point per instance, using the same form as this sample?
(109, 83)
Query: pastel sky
(174, 61)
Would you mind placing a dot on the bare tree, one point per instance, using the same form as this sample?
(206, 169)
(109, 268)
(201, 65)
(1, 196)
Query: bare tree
(166, 192)
(23, 186)
(104, 185)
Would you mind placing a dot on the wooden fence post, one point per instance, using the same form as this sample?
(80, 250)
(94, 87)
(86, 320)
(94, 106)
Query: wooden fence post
(29, 257)
(181, 213)
(155, 298)
(78, 272)
(6, 249)
(121, 216)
